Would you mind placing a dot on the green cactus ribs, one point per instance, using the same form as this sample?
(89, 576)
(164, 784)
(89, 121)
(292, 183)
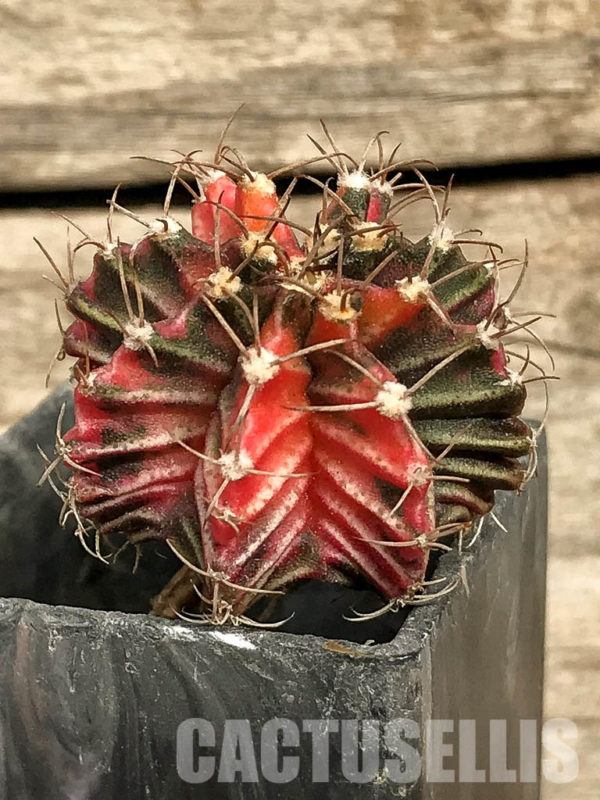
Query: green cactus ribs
(279, 403)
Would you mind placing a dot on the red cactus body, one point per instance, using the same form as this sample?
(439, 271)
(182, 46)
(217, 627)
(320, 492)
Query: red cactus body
(279, 411)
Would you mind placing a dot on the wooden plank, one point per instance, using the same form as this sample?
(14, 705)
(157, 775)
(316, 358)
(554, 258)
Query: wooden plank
(491, 82)
(573, 654)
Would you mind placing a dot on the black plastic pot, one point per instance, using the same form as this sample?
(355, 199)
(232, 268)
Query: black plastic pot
(92, 701)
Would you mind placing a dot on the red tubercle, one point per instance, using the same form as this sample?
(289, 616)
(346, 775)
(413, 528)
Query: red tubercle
(126, 370)
(379, 203)
(325, 329)
(106, 430)
(146, 473)
(258, 198)
(251, 201)
(383, 311)
(272, 432)
(499, 362)
(286, 238)
(81, 339)
(89, 419)
(224, 191)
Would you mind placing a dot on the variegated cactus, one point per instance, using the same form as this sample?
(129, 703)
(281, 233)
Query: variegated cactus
(279, 403)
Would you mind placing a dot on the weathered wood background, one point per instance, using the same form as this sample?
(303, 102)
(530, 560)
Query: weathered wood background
(464, 82)
(85, 85)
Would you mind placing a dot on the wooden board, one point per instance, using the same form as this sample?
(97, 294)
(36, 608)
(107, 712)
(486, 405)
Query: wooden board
(559, 218)
(573, 647)
(84, 86)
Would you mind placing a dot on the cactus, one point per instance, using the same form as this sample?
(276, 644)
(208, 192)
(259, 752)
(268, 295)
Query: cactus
(278, 403)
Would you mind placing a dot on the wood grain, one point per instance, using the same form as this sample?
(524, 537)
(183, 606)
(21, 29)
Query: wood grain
(559, 218)
(84, 86)
(573, 652)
